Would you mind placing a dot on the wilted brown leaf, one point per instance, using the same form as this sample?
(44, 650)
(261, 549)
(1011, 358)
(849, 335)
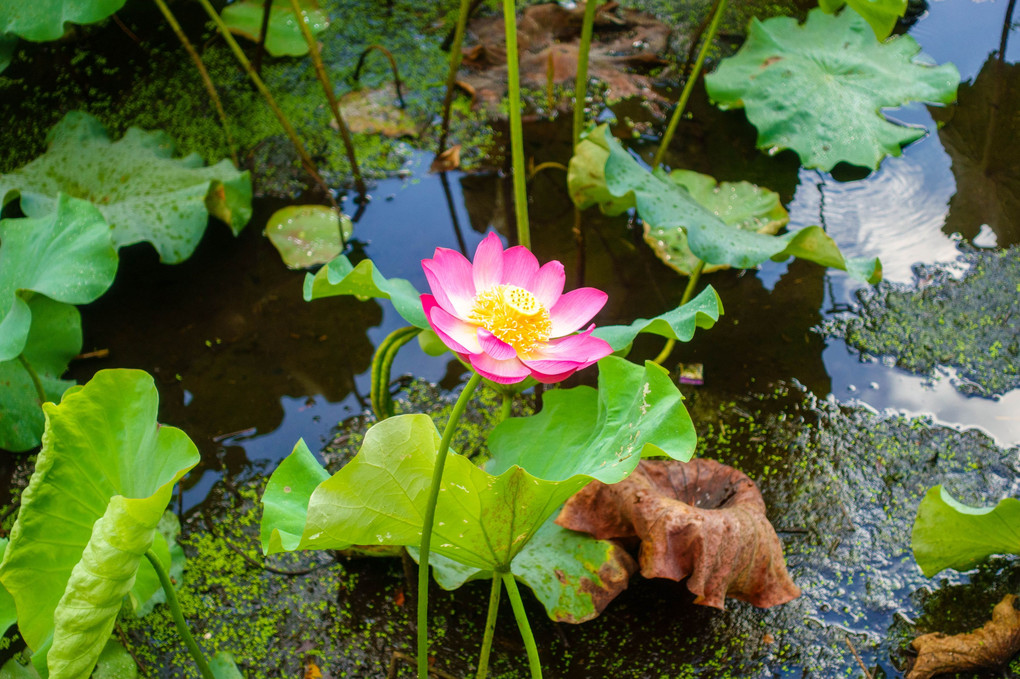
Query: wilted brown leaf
(447, 160)
(988, 647)
(699, 520)
(548, 38)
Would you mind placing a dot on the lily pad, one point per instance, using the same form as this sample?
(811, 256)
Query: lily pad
(306, 235)
(819, 88)
(91, 510)
(950, 534)
(283, 37)
(539, 461)
(742, 205)
(340, 277)
(374, 111)
(881, 15)
(42, 20)
(602, 173)
(679, 324)
(143, 192)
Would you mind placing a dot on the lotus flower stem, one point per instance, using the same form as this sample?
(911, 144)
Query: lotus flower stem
(206, 80)
(36, 382)
(430, 515)
(581, 84)
(516, 129)
(720, 7)
(393, 66)
(456, 55)
(382, 363)
(334, 105)
(175, 611)
(260, 44)
(490, 624)
(522, 624)
(504, 411)
(306, 160)
(692, 283)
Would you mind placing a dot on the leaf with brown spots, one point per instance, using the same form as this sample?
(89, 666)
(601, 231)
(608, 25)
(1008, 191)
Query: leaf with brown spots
(988, 647)
(699, 520)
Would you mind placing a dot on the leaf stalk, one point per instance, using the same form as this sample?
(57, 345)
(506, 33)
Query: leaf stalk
(521, 615)
(178, 616)
(516, 128)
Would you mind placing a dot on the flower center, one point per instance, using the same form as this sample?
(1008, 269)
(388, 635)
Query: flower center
(513, 315)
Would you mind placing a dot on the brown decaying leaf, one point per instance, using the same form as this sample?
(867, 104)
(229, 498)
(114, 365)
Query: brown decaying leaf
(548, 38)
(699, 520)
(447, 160)
(989, 647)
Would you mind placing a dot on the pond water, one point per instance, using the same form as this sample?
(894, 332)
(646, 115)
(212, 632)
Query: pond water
(247, 368)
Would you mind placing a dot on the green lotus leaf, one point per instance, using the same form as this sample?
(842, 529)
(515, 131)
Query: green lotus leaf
(223, 666)
(581, 434)
(881, 15)
(950, 534)
(819, 88)
(115, 662)
(679, 324)
(742, 205)
(42, 20)
(306, 235)
(8, 613)
(54, 338)
(91, 510)
(65, 254)
(603, 173)
(340, 277)
(8, 43)
(143, 192)
(283, 36)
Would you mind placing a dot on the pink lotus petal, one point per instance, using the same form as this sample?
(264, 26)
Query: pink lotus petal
(509, 371)
(552, 379)
(455, 333)
(567, 354)
(487, 266)
(548, 284)
(450, 279)
(494, 346)
(574, 309)
(519, 267)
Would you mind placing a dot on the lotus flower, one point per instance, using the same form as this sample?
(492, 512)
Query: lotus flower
(508, 317)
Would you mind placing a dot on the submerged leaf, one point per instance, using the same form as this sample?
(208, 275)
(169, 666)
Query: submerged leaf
(988, 647)
(90, 512)
(950, 534)
(41, 20)
(306, 235)
(819, 88)
(603, 173)
(284, 36)
(143, 192)
(375, 111)
(881, 15)
(340, 277)
(699, 520)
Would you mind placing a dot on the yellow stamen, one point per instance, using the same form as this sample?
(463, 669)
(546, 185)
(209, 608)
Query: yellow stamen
(513, 315)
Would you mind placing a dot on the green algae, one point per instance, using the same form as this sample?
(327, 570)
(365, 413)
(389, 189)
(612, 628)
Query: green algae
(971, 323)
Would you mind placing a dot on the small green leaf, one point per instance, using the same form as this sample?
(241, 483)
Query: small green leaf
(881, 15)
(679, 324)
(224, 667)
(101, 484)
(340, 277)
(284, 36)
(950, 534)
(603, 173)
(115, 662)
(430, 343)
(143, 192)
(43, 20)
(819, 88)
(285, 501)
(306, 235)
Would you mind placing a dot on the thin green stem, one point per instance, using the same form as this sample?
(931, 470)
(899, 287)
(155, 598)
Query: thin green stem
(175, 611)
(490, 626)
(35, 378)
(692, 283)
(720, 7)
(516, 129)
(522, 624)
(430, 515)
(581, 84)
(504, 411)
(456, 55)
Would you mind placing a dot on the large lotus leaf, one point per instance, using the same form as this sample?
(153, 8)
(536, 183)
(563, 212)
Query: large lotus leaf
(881, 15)
(53, 340)
(950, 534)
(819, 88)
(483, 519)
(42, 20)
(283, 36)
(738, 204)
(65, 254)
(679, 324)
(8, 613)
(603, 173)
(90, 512)
(144, 193)
(340, 277)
